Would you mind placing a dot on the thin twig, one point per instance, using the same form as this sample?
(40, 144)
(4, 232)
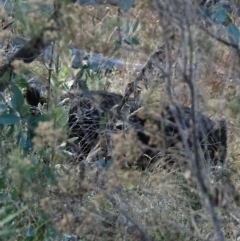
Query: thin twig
(50, 70)
(195, 163)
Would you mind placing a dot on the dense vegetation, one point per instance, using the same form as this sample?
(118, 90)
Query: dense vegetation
(119, 120)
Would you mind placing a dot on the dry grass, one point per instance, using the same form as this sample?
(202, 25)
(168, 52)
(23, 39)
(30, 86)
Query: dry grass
(119, 204)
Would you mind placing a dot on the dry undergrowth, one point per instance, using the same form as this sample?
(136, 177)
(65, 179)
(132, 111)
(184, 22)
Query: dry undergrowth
(116, 203)
(123, 204)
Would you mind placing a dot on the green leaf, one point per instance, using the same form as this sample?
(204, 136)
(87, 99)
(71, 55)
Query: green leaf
(3, 107)
(220, 16)
(128, 41)
(33, 120)
(25, 111)
(76, 63)
(4, 198)
(2, 183)
(233, 34)
(135, 26)
(9, 119)
(127, 27)
(94, 66)
(126, 4)
(15, 195)
(80, 73)
(8, 6)
(18, 99)
(82, 84)
(29, 144)
(43, 217)
(5, 81)
(33, 160)
(102, 162)
(72, 139)
(49, 175)
(23, 7)
(1, 128)
(118, 45)
(32, 125)
(11, 131)
(22, 140)
(135, 40)
(41, 232)
(30, 232)
(64, 71)
(10, 217)
(61, 116)
(20, 81)
(51, 232)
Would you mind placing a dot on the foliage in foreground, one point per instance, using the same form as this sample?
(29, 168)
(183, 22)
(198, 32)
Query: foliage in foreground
(43, 196)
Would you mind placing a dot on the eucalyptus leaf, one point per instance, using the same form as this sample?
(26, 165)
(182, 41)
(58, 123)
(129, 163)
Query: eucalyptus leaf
(128, 41)
(10, 217)
(20, 81)
(33, 160)
(64, 71)
(11, 131)
(135, 40)
(220, 16)
(49, 175)
(9, 119)
(4, 81)
(17, 99)
(3, 107)
(32, 125)
(94, 66)
(30, 232)
(127, 27)
(22, 140)
(2, 183)
(126, 4)
(72, 139)
(51, 232)
(233, 34)
(80, 73)
(61, 116)
(135, 26)
(118, 45)
(102, 162)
